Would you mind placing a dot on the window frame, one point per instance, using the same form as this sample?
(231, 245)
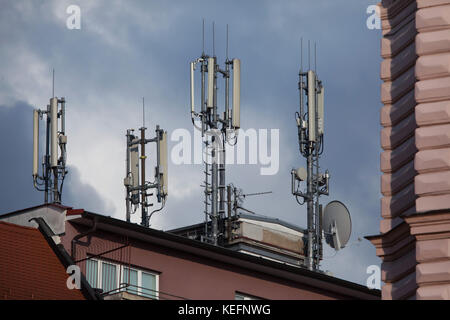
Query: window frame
(120, 274)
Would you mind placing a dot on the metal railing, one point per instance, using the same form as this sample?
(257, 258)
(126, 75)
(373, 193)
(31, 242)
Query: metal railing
(142, 292)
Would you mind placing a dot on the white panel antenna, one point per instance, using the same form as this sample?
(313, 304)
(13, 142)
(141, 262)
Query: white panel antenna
(236, 93)
(134, 171)
(312, 105)
(210, 101)
(35, 142)
(192, 86)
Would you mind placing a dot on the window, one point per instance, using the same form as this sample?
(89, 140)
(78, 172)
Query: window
(149, 285)
(111, 277)
(130, 277)
(91, 272)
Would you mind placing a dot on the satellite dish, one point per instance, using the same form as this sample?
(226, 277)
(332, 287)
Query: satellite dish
(337, 224)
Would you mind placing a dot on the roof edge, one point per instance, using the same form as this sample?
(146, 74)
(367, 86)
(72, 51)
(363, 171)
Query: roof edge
(64, 257)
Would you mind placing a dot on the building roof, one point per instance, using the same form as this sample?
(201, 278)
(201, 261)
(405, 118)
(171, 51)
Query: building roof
(226, 256)
(30, 268)
(247, 216)
(201, 249)
(259, 217)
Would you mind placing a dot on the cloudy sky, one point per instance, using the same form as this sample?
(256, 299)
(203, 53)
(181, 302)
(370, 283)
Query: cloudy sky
(129, 49)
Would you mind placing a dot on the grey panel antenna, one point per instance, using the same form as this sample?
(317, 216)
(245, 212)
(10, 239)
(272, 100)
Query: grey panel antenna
(163, 164)
(236, 93)
(134, 170)
(337, 224)
(54, 132)
(320, 111)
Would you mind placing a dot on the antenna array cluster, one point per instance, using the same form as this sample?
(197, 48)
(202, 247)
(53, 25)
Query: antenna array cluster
(310, 134)
(310, 125)
(136, 184)
(217, 129)
(53, 163)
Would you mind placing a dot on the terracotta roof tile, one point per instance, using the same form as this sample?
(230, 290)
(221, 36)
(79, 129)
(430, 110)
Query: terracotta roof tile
(29, 268)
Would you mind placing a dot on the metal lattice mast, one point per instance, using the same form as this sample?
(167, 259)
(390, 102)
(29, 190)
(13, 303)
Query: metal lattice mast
(216, 131)
(310, 134)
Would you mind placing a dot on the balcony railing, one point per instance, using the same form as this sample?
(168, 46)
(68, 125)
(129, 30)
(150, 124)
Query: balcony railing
(142, 292)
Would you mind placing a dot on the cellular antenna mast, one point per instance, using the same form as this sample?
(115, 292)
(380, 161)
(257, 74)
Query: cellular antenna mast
(51, 179)
(137, 187)
(310, 129)
(310, 135)
(217, 130)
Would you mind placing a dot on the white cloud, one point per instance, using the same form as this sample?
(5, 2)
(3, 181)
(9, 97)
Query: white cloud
(25, 76)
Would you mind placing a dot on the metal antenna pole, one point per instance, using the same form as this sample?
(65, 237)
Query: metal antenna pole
(301, 54)
(214, 42)
(309, 55)
(203, 38)
(227, 44)
(301, 88)
(316, 215)
(315, 57)
(53, 85)
(229, 238)
(127, 168)
(222, 154)
(310, 207)
(215, 157)
(144, 219)
(47, 156)
(55, 186)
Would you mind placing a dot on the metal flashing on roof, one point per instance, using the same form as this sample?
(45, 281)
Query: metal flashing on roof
(262, 218)
(56, 205)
